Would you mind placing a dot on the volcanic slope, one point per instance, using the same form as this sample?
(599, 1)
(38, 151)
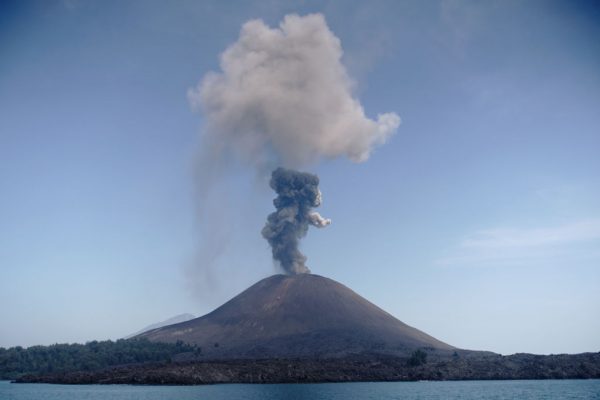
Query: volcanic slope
(302, 315)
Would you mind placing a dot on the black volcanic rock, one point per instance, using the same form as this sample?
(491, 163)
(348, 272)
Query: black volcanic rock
(300, 315)
(474, 366)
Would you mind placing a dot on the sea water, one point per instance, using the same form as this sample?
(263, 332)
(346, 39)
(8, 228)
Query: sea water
(464, 390)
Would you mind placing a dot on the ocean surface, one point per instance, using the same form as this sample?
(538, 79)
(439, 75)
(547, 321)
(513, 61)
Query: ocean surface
(464, 390)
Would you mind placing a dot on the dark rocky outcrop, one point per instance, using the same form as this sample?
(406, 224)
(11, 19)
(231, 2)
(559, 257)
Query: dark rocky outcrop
(358, 368)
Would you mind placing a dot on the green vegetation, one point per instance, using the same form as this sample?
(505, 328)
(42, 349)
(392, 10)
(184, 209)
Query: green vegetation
(17, 361)
(417, 358)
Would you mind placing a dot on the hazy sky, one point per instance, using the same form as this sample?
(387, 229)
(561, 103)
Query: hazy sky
(478, 222)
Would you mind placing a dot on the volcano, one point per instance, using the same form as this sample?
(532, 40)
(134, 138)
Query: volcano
(302, 315)
(307, 328)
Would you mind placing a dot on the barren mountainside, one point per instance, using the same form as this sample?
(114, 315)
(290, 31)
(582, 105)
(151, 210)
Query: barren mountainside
(300, 315)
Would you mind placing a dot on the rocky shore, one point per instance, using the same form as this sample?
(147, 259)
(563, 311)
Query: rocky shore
(470, 366)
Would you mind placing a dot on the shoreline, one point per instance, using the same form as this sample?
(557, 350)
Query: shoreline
(351, 369)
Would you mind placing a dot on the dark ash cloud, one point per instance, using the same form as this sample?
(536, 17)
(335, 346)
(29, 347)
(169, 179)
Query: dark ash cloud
(297, 194)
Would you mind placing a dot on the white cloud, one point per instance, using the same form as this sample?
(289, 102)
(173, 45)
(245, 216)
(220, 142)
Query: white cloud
(521, 246)
(495, 238)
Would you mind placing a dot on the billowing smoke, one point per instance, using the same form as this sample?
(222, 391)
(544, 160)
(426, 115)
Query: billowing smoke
(284, 98)
(297, 194)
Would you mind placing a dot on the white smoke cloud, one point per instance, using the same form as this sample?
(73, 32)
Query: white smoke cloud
(284, 98)
(317, 220)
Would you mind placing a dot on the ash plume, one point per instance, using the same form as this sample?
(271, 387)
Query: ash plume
(284, 97)
(297, 194)
(281, 97)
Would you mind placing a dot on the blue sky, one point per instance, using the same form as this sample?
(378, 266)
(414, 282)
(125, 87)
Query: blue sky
(478, 222)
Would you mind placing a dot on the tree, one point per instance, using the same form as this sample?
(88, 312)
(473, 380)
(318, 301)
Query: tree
(417, 358)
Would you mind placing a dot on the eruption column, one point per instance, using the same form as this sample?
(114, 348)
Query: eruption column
(297, 194)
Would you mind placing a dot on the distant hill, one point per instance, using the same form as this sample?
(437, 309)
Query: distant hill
(173, 320)
(300, 315)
